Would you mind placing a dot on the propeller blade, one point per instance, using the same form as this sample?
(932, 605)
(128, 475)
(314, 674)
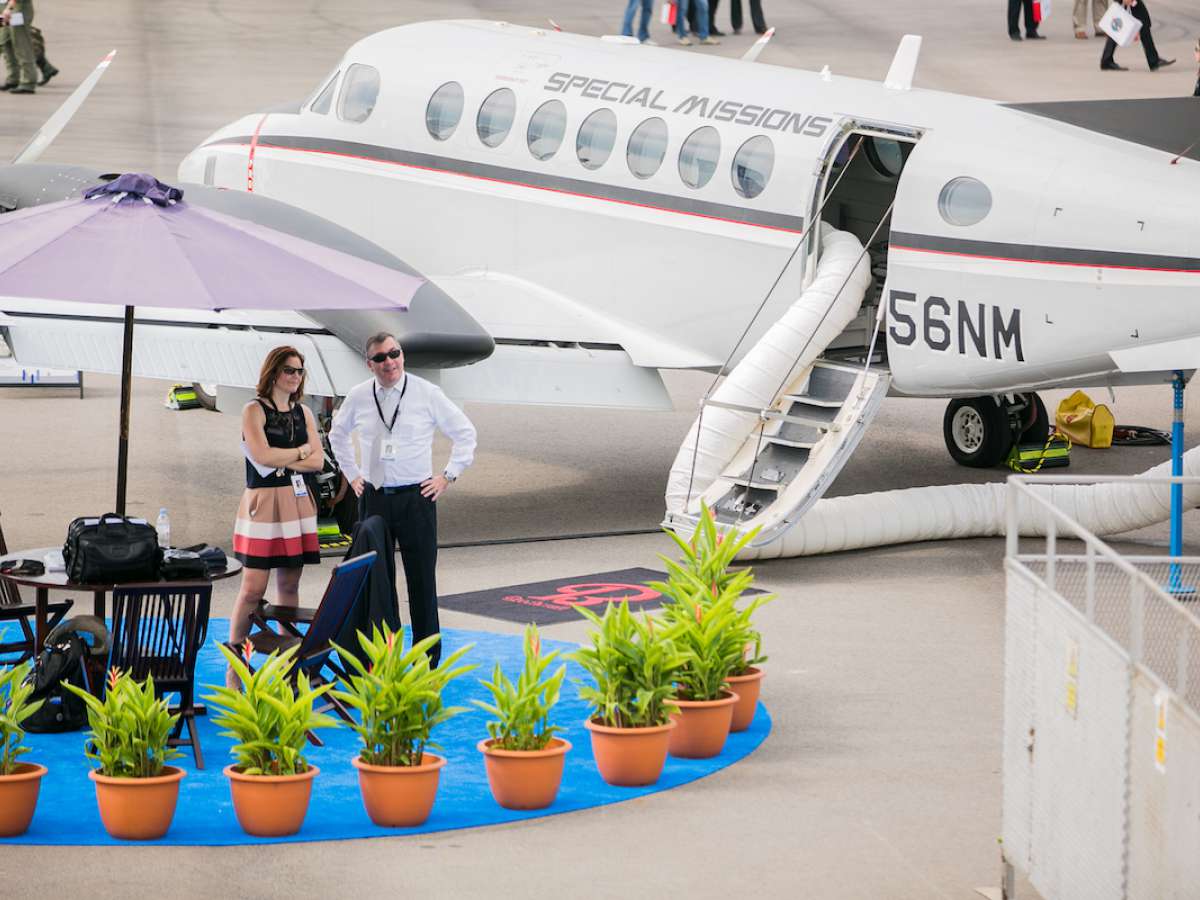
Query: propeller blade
(757, 47)
(58, 121)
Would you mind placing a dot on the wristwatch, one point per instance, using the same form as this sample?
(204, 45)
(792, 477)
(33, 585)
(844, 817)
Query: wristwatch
(449, 477)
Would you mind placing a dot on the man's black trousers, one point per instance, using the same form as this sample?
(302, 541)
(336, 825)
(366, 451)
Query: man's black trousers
(1142, 14)
(412, 519)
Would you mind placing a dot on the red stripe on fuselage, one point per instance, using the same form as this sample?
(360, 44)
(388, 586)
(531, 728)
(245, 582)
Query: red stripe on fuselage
(535, 187)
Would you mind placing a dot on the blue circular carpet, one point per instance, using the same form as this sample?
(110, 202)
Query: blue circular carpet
(67, 814)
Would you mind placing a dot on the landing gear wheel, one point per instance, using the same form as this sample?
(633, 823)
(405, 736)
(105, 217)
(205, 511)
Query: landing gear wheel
(1037, 428)
(977, 432)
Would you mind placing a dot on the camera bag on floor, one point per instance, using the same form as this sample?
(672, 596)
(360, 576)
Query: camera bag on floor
(111, 549)
(58, 664)
(74, 649)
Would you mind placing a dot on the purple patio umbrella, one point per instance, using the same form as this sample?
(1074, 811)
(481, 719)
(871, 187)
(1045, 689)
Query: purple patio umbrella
(133, 242)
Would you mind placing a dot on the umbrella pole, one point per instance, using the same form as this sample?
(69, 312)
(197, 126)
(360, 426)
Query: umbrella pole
(126, 385)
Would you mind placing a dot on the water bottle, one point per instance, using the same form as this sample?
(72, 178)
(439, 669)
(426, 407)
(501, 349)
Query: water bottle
(163, 527)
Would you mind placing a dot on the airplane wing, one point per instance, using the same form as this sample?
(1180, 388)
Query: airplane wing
(583, 368)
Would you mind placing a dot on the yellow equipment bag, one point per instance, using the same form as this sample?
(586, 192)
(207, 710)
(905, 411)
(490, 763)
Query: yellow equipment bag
(1085, 422)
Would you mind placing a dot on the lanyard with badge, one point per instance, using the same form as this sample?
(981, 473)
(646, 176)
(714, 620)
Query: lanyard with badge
(389, 447)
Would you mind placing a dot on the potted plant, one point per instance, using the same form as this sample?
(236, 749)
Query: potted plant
(523, 758)
(399, 699)
(705, 567)
(19, 782)
(271, 782)
(135, 791)
(635, 667)
(745, 678)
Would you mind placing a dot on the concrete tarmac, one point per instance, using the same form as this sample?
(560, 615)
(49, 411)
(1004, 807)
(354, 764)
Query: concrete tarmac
(881, 778)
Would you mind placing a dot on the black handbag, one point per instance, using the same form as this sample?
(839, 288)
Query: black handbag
(183, 565)
(111, 549)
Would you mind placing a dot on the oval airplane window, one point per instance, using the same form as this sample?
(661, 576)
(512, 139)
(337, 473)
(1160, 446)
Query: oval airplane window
(444, 111)
(597, 134)
(752, 166)
(496, 117)
(546, 129)
(699, 155)
(647, 148)
(360, 90)
(964, 201)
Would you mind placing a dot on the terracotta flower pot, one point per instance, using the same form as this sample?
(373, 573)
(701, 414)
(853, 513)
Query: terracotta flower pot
(703, 726)
(270, 805)
(18, 798)
(525, 779)
(629, 757)
(137, 809)
(747, 688)
(399, 796)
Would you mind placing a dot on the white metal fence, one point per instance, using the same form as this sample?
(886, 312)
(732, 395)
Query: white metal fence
(1101, 729)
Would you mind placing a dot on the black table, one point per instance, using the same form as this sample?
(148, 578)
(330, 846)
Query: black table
(58, 581)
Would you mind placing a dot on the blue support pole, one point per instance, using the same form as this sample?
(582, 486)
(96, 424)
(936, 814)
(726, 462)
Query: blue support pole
(1177, 489)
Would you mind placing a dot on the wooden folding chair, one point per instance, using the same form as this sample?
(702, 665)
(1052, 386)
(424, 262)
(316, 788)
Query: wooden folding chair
(314, 653)
(158, 630)
(13, 609)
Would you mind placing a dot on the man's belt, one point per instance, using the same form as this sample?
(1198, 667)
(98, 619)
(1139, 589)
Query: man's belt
(401, 489)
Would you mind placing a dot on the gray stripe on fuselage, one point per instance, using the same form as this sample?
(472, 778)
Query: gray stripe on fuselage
(525, 178)
(1033, 253)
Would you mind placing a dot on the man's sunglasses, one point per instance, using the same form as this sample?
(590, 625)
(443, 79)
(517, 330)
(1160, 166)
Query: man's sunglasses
(380, 357)
(292, 370)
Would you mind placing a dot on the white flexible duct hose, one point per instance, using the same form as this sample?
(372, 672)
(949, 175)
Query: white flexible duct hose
(811, 323)
(973, 510)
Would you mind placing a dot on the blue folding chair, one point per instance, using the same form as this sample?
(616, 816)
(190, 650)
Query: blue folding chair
(315, 651)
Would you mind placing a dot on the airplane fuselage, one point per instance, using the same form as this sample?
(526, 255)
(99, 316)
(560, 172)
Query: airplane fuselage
(573, 189)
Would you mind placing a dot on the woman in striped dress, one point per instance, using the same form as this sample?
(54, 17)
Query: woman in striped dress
(277, 519)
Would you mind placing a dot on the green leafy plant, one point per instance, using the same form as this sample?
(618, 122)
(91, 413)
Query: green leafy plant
(399, 696)
(703, 632)
(130, 727)
(15, 708)
(707, 556)
(522, 711)
(719, 633)
(269, 719)
(635, 666)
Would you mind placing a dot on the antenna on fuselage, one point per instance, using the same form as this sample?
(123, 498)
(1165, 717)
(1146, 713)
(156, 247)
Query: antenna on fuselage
(904, 64)
(757, 47)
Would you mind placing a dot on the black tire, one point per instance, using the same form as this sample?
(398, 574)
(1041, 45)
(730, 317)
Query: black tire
(1038, 427)
(977, 432)
(207, 400)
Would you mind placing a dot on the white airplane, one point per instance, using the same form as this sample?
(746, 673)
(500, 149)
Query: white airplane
(604, 210)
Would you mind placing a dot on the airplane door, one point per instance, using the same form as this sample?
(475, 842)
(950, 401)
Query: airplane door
(861, 173)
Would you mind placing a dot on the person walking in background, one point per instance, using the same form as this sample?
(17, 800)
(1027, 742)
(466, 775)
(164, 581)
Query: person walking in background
(276, 525)
(1015, 7)
(701, 22)
(631, 9)
(1196, 92)
(1136, 8)
(1079, 17)
(395, 414)
(756, 16)
(10, 59)
(16, 19)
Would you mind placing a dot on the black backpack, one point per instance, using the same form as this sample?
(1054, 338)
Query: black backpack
(59, 663)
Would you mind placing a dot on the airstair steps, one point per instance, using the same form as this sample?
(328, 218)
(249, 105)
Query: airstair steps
(807, 436)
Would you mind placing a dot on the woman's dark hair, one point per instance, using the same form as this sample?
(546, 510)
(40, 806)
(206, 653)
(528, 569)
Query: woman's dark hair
(271, 368)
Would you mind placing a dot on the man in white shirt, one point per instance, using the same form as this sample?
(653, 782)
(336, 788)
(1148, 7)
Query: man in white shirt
(395, 414)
